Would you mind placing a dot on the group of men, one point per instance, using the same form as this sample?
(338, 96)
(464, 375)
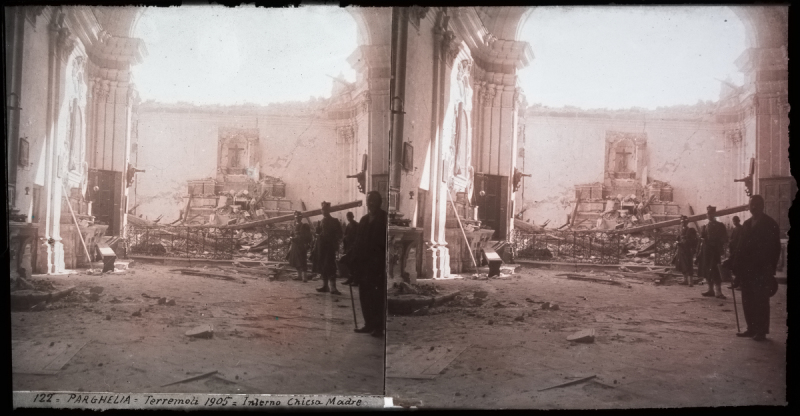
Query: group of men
(363, 261)
(753, 254)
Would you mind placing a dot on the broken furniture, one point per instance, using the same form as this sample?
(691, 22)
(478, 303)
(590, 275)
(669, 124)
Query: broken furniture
(108, 255)
(20, 236)
(493, 259)
(402, 239)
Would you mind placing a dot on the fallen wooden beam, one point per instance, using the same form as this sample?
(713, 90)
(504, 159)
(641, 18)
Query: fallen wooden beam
(209, 274)
(572, 276)
(201, 376)
(290, 217)
(524, 226)
(569, 383)
(677, 221)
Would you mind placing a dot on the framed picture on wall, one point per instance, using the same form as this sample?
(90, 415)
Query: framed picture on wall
(408, 156)
(24, 149)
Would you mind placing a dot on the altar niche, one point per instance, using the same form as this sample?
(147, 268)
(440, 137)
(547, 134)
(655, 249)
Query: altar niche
(625, 155)
(238, 150)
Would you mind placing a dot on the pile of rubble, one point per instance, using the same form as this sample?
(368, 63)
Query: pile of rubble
(639, 249)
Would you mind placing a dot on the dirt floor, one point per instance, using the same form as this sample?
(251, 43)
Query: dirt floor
(269, 336)
(655, 346)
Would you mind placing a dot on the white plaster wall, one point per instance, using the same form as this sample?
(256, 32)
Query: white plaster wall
(417, 127)
(174, 148)
(33, 116)
(561, 152)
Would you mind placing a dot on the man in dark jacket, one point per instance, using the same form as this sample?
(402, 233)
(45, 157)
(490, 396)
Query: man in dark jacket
(328, 239)
(713, 241)
(301, 239)
(367, 259)
(684, 256)
(350, 233)
(754, 264)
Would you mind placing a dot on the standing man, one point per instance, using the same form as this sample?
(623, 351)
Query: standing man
(328, 245)
(684, 257)
(714, 238)
(350, 233)
(725, 267)
(754, 264)
(368, 260)
(301, 238)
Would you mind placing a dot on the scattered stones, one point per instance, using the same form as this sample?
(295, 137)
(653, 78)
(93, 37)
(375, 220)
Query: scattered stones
(481, 294)
(137, 313)
(171, 302)
(520, 318)
(115, 300)
(491, 322)
(546, 305)
(553, 306)
(202, 331)
(94, 297)
(96, 289)
(162, 301)
(584, 336)
(108, 317)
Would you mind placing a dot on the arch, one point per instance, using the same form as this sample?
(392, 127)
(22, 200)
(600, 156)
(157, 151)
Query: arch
(765, 26)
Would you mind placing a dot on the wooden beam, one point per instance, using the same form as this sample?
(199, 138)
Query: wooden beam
(290, 217)
(669, 223)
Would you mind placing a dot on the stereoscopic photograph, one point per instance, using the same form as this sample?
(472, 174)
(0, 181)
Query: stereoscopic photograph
(511, 207)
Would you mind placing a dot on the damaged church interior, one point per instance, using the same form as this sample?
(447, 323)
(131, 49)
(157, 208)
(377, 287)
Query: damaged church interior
(538, 219)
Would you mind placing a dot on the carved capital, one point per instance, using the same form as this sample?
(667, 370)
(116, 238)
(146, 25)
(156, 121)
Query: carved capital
(416, 14)
(450, 46)
(32, 13)
(65, 43)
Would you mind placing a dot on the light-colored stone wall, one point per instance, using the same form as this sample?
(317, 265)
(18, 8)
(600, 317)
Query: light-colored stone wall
(32, 120)
(417, 128)
(690, 152)
(175, 146)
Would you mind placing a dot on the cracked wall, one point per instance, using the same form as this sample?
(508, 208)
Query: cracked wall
(298, 146)
(566, 148)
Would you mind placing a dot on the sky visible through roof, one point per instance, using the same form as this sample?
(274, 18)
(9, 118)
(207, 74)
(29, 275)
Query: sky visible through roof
(220, 55)
(630, 56)
(588, 57)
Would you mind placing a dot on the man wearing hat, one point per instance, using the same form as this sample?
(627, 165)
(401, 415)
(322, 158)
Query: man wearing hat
(754, 263)
(714, 238)
(329, 238)
(298, 251)
(367, 258)
(684, 257)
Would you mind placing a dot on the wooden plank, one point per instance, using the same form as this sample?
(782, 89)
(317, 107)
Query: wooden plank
(445, 361)
(38, 357)
(677, 221)
(290, 217)
(72, 349)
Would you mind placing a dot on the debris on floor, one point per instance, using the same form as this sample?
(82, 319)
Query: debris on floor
(569, 383)
(585, 336)
(201, 376)
(201, 331)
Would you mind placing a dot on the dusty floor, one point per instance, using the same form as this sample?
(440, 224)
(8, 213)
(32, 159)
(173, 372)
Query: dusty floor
(655, 346)
(270, 336)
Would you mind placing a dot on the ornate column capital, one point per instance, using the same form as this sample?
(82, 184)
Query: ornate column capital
(416, 14)
(450, 47)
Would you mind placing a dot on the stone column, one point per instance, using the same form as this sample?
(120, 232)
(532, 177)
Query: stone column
(62, 43)
(111, 106)
(372, 63)
(766, 107)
